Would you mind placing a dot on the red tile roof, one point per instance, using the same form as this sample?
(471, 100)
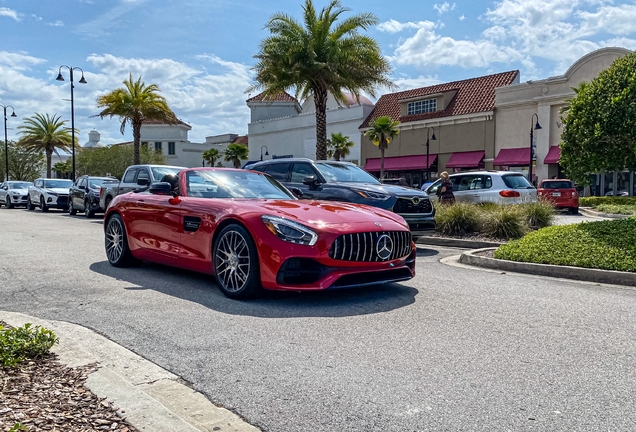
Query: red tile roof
(280, 97)
(473, 95)
(240, 139)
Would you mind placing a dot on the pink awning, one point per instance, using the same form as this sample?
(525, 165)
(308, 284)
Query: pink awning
(513, 156)
(553, 155)
(466, 159)
(400, 163)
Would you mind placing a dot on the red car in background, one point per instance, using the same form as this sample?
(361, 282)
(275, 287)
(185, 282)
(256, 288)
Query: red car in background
(561, 192)
(252, 233)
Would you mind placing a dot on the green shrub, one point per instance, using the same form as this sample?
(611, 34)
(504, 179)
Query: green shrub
(537, 215)
(457, 219)
(616, 208)
(596, 201)
(608, 245)
(24, 343)
(505, 222)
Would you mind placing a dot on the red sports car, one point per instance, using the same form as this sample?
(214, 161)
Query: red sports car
(252, 233)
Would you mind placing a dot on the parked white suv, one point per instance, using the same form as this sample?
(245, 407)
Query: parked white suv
(501, 187)
(49, 193)
(14, 193)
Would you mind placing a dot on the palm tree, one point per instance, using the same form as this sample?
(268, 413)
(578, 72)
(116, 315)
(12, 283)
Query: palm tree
(134, 103)
(319, 57)
(235, 152)
(338, 146)
(211, 156)
(46, 134)
(382, 131)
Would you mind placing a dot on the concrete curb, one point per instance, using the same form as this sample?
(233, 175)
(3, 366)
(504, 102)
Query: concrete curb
(586, 211)
(149, 397)
(458, 243)
(576, 273)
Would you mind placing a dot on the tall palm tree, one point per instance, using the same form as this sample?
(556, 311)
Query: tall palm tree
(134, 103)
(383, 130)
(235, 152)
(47, 134)
(323, 55)
(211, 156)
(338, 146)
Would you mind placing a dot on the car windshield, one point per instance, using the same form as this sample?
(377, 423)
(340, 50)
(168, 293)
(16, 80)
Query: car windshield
(516, 181)
(560, 184)
(337, 172)
(95, 183)
(24, 185)
(159, 172)
(234, 184)
(58, 184)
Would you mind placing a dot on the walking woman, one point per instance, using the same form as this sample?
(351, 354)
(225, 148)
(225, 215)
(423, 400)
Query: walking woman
(445, 190)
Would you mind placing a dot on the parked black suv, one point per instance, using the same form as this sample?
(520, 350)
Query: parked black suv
(84, 195)
(344, 181)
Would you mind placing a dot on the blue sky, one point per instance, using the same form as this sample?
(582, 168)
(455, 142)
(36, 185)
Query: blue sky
(200, 52)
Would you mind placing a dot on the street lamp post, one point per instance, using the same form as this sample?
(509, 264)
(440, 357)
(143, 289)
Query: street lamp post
(81, 81)
(6, 145)
(537, 126)
(266, 152)
(428, 165)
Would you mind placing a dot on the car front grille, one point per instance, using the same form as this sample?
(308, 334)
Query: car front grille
(413, 205)
(371, 246)
(62, 200)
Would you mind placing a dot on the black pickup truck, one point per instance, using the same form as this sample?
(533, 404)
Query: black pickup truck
(136, 177)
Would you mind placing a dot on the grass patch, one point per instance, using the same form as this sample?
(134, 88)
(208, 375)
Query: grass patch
(505, 222)
(596, 201)
(617, 209)
(537, 215)
(607, 245)
(457, 219)
(18, 344)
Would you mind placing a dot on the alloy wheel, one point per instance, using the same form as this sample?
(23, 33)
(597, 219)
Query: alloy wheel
(232, 261)
(114, 240)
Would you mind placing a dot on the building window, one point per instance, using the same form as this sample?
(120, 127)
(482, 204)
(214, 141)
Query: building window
(158, 146)
(424, 106)
(171, 148)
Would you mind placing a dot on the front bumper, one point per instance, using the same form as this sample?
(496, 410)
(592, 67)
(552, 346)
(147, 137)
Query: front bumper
(59, 202)
(18, 200)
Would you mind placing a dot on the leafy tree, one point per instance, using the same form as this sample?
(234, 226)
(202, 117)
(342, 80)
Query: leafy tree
(46, 134)
(115, 159)
(134, 103)
(24, 164)
(65, 168)
(338, 146)
(211, 156)
(600, 123)
(235, 153)
(323, 55)
(383, 130)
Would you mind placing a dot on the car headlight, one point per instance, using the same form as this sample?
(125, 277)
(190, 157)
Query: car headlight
(52, 193)
(371, 195)
(289, 230)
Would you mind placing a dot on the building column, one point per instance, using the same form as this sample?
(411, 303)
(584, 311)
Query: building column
(542, 137)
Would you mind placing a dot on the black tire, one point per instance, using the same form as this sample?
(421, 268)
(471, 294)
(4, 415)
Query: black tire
(116, 243)
(236, 265)
(71, 207)
(43, 207)
(107, 203)
(574, 210)
(30, 205)
(8, 204)
(87, 209)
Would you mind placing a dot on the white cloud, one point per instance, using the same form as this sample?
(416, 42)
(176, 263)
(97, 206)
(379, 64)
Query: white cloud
(616, 20)
(462, 18)
(57, 23)
(9, 13)
(35, 17)
(393, 26)
(406, 83)
(18, 61)
(444, 7)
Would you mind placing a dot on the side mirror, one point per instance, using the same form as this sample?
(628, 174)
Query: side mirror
(161, 188)
(296, 191)
(311, 181)
(143, 182)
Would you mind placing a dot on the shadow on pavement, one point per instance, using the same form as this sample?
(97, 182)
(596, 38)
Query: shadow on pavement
(424, 252)
(200, 288)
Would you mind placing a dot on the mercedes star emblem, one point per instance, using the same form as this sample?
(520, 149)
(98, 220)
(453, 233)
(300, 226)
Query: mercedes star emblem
(384, 247)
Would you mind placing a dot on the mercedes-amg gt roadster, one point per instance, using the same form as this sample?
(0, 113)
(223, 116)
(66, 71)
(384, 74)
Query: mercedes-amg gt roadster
(252, 233)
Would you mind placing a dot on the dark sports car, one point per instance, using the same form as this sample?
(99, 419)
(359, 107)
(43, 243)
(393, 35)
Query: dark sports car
(252, 233)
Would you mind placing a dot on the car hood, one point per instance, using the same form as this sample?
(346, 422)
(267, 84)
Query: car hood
(320, 214)
(383, 188)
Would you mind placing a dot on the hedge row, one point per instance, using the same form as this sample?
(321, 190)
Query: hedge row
(492, 220)
(596, 201)
(608, 245)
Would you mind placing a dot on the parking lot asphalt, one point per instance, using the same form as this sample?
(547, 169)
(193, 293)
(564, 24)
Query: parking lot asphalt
(454, 349)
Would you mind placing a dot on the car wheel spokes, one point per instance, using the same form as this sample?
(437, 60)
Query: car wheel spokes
(232, 261)
(114, 240)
